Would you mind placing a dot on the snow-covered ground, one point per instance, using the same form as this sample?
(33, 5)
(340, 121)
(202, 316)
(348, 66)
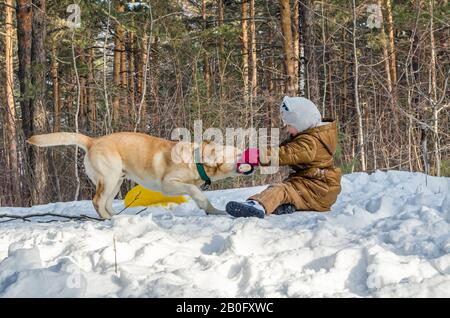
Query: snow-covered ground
(387, 235)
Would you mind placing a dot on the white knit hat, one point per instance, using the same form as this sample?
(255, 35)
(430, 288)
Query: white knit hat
(300, 112)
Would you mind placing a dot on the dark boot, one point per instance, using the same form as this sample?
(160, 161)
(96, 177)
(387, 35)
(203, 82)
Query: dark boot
(285, 209)
(244, 209)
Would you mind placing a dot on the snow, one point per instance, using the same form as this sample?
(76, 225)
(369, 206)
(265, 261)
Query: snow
(388, 235)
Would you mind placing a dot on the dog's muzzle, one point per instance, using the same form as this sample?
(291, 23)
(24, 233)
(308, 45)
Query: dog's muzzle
(245, 168)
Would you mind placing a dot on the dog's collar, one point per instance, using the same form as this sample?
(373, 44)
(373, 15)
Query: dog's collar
(201, 170)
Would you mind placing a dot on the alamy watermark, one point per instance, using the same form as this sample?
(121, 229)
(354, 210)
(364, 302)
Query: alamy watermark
(225, 148)
(375, 17)
(74, 19)
(74, 279)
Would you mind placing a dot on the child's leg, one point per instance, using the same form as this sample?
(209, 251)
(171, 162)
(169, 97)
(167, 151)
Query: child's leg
(278, 194)
(277, 199)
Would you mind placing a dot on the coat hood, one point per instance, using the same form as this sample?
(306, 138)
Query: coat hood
(300, 112)
(327, 134)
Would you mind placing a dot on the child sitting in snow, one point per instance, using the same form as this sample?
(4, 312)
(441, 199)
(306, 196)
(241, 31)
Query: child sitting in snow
(315, 183)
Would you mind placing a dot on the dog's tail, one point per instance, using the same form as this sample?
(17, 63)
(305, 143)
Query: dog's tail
(61, 139)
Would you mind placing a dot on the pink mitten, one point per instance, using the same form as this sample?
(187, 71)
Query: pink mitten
(248, 161)
(250, 156)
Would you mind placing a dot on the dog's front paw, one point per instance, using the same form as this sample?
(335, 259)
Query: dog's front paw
(216, 212)
(213, 211)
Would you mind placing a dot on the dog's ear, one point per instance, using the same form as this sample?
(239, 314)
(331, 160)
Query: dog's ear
(209, 153)
(209, 140)
(183, 152)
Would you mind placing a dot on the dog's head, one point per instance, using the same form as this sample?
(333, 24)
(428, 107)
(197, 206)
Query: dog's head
(219, 161)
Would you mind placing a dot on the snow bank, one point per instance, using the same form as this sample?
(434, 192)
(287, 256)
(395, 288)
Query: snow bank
(387, 235)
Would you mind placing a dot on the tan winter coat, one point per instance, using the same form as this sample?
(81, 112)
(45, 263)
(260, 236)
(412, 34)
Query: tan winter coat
(315, 182)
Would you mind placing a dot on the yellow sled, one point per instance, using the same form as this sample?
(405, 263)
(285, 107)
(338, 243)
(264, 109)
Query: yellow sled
(140, 196)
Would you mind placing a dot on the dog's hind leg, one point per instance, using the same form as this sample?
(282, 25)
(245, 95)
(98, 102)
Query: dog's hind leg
(110, 200)
(106, 191)
(99, 201)
(107, 171)
(99, 183)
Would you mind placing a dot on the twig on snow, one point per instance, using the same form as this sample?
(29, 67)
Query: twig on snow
(128, 205)
(27, 217)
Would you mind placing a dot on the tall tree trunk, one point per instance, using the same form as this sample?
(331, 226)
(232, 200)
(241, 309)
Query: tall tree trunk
(77, 112)
(24, 38)
(344, 92)
(221, 51)
(270, 62)
(331, 90)
(253, 47)
(411, 138)
(69, 100)
(10, 120)
(433, 94)
(324, 62)
(244, 38)
(56, 89)
(117, 68)
(123, 76)
(301, 63)
(393, 71)
(308, 36)
(206, 66)
(392, 53)
(38, 62)
(141, 62)
(386, 57)
(83, 112)
(156, 120)
(296, 37)
(92, 100)
(288, 49)
(361, 145)
(54, 71)
(131, 75)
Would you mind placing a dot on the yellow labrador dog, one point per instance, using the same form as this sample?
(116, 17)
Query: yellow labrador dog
(154, 163)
